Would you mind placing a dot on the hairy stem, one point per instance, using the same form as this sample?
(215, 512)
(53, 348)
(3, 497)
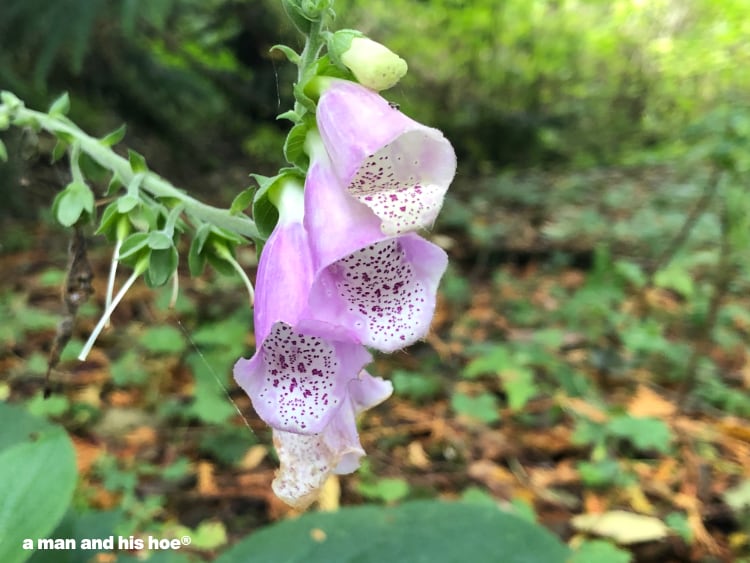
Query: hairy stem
(152, 183)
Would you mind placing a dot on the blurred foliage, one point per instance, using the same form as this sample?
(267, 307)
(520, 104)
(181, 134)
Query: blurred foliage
(598, 231)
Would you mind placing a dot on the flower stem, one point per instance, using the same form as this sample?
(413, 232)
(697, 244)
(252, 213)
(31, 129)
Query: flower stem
(139, 269)
(111, 279)
(152, 183)
(223, 252)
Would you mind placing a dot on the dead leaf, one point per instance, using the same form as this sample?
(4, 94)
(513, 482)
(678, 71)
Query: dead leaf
(206, 481)
(253, 457)
(417, 456)
(624, 527)
(647, 402)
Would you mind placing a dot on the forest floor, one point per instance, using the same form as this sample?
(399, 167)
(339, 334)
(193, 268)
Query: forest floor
(552, 382)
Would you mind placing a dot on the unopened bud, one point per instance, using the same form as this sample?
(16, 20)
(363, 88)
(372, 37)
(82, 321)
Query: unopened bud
(374, 65)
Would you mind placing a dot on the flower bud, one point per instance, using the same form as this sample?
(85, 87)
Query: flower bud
(372, 64)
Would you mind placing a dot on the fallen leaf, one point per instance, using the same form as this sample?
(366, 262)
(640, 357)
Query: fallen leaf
(648, 403)
(417, 456)
(206, 481)
(253, 457)
(624, 527)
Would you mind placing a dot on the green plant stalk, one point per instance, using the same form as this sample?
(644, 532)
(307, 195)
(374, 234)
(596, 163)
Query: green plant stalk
(152, 182)
(313, 44)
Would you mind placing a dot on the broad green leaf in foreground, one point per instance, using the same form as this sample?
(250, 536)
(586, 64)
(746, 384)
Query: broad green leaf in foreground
(418, 532)
(37, 478)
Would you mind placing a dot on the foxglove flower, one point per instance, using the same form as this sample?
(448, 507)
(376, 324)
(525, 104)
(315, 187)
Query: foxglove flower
(308, 460)
(299, 376)
(397, 167)
(382, 288)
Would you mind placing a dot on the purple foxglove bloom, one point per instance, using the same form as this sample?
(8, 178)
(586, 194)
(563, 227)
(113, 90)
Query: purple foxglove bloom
(397, 167)
(382, 288)
(308, 460)
(299, 376)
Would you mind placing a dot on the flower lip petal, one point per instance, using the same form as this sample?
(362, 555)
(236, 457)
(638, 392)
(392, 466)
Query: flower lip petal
(386, 292)
(296, 381)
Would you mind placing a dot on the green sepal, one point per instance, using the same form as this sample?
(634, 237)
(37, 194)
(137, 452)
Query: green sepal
(58, 152)
(60, 107)
(242, 201)
(71, 203)
(92, 169)
(265, 213)
(127, 203)
(111, 139)
(307, 102)
(137, 162)
(133, 245)
(196, 256)
(159, 240)
(339, 43)
(220, 265)
(115, 183)
(108, 222)
(294, 145)
(144, 218)
(291, 55)
(162, 263)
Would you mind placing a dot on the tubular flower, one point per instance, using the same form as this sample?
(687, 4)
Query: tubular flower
(298, 378)
(382, 288)
(397, 167)
(308, 460)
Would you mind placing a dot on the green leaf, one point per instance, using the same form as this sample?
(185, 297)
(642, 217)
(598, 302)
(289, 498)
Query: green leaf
(162, 264)
(644, 433)
(483, 407)
(162, 340)
(210, 404)
(294, 146)
(599, 473)
(599, 551)
(3, 152)
(498, 357)
(290, 115)
(37, 479)
(520, 386)
(242, 201)
(386, 490)
(291, 55)
(137, 162)
(69, 204)
(416, 386)
(128, 369)
(415, 531)
(111, 139)
(60, 106)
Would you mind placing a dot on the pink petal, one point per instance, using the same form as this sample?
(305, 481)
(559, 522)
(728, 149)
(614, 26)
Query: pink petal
(298, 377)
(396, 166)
(297, 382)
(386, 292)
